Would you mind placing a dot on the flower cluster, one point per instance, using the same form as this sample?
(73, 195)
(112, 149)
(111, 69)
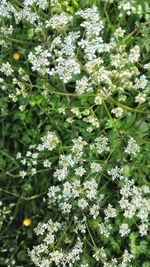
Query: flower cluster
(132, 147)
(59, 22)
(104, 68)
(130, 8)
(40, 60)
(84, 74)
(34, 156)
(6, 68)
(134, 204)
(77, 198)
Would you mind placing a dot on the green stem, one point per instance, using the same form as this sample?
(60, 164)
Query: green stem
(91, 236)
(112, 100)
(16, 40)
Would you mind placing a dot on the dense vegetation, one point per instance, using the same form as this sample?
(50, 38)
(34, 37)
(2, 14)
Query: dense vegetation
(75, 133)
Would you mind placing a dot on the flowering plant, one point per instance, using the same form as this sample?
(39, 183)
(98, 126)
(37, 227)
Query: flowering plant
(75, 91)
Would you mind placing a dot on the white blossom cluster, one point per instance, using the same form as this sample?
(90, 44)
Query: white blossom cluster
(7, 30)
(33, 156)
(132, 148)
(43, 4)
(83, 86)
(67, 54)
(100, 72)
(49, 141)
(66, 68)
(134, 203)
(76, 197)
(59, 22)
(5, 10)
(6, 68)
(92, 24)
(129, 8)
(76, 160)
(41, 256)
(100, 144)
(116, 173)
(117, 111)
(20, 89)
(40, 60)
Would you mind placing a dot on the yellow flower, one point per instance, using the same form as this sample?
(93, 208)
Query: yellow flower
(27, 222)
(16, 56)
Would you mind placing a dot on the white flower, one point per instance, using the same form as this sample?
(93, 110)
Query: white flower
(105, 229)
(53, 190)
(23, 161)
(127, 7)
(59, 22)
(119, 60)
(100, 255)
(117, 111)
(127, 257)
(91, 189)
(83, 85)
(61, 174)
(65, 207)
(132, 148)
(94, 211)
(80, 225)
(68, 47)
(18, 155)
(147, 66)
(124, 229)
(100, 144)
(91, 65)
(66, 161)
(143, 229)
(92, 120)
(4, 9)
(49, 239)
(119, 32)
(82, 203)
(98, 100)
(92, 23)
(110, 212)
(146, 189)
(40, 60)
(77, 112)
(7, 30)
(140, 98)
(35, 155)
(134, 54)
(116, 173)
(22, 174)
(70, 120)
(78, 146)
(62, 110)
(80, 171)
(47, 163)
(67, 190)
(28, 154)
(6, 69)
(95, 167)
(141, 82)
(43, 4)
(66, 68)
(50, 141)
